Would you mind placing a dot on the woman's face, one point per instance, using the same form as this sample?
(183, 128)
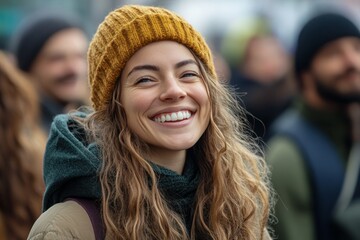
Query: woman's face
(164, 96)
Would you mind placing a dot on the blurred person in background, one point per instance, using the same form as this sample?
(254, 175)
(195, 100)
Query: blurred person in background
(260, 71)
(51, 49)
(21, 151)
(311, 142)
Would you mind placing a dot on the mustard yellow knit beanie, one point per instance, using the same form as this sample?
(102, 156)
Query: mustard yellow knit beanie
(126, 30)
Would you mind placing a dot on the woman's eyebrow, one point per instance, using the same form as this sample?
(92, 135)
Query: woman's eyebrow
(155, 68)
(185, 62)
(144, 67)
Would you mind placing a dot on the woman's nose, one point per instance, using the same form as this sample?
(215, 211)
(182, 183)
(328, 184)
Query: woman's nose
(172, 90)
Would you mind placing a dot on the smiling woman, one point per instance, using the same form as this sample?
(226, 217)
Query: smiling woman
(163, 153)
(171, 85)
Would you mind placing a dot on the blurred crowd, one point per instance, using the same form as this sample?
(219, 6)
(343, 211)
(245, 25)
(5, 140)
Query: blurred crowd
(43, 73)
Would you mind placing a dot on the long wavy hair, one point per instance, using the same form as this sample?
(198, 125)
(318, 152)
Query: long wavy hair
(232, 199)
(21, 151)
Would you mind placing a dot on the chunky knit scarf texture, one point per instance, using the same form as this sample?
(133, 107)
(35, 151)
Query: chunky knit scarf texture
(71, 170)
(180, 190)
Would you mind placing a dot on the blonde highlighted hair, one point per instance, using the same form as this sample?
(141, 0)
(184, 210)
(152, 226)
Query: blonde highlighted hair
(232, 199)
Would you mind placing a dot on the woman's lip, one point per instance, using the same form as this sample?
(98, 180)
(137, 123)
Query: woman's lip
(173, 116)
(172, 110)
(176, 124)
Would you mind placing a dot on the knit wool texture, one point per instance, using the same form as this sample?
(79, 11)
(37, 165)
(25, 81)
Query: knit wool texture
(127, 29)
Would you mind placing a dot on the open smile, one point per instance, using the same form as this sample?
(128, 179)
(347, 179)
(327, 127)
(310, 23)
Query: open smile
(173, 116)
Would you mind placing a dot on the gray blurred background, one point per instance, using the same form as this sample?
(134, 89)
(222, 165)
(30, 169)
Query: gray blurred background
(214, 18)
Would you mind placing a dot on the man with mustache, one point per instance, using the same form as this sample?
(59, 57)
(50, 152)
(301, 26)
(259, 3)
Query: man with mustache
(311, 142)
(51, 50)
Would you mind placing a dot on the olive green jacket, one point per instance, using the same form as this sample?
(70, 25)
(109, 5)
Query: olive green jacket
(291, 179)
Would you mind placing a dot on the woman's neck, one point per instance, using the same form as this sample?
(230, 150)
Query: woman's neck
(170, 159)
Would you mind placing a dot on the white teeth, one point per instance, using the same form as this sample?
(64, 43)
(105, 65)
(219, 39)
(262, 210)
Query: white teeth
(180, 116)
(162, 119)
(172, 117)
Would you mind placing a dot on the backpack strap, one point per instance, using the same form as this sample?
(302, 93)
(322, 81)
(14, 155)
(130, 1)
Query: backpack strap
(323, 163)
(92, 208)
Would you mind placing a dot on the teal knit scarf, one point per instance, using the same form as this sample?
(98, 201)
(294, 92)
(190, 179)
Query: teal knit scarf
(71, 170)
(179, 190)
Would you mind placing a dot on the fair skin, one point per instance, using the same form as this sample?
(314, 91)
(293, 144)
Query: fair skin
(330, 67)
(165, 100)
(60, 68)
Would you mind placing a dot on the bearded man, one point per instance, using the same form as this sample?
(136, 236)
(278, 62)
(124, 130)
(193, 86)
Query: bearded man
(311, 142)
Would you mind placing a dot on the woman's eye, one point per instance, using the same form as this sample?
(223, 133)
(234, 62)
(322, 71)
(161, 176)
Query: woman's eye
(190, 74)
(144, 80)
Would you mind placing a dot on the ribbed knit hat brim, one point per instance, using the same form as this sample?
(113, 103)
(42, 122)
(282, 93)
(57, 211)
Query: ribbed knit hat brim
(127, 29)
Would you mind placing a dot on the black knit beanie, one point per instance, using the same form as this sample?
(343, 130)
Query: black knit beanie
(30, 38)
(318, 31)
